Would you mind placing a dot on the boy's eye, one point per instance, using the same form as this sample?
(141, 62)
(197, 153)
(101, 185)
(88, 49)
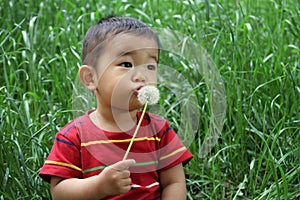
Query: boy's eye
(151, 67)
(126, 64)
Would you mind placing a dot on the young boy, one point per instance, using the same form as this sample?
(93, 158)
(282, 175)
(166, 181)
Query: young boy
(120, 56)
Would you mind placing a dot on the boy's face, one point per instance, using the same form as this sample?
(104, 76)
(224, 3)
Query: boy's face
(127, 63)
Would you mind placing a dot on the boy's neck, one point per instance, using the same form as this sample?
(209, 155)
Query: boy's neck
(115, 120)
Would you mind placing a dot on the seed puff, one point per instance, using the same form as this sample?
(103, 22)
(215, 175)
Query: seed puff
(148, 94)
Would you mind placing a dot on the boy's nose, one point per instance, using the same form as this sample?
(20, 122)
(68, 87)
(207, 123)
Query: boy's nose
(139, 75)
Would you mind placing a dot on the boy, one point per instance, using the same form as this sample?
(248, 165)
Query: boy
(120, 56)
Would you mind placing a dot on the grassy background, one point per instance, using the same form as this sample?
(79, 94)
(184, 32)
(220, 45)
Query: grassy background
(254, 44)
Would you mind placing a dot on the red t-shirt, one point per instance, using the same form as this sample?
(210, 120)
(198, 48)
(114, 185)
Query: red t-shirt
(83, 150)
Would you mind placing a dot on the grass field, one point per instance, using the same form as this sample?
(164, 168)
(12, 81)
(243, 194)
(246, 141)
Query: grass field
(254, 44)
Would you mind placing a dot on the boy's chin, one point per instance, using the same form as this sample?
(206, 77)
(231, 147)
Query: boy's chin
(136, 107)
(129, 108)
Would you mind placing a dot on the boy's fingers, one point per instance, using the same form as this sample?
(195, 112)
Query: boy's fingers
(122, 165)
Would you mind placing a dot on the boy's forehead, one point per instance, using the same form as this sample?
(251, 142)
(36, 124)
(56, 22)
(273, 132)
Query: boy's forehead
(124, 43)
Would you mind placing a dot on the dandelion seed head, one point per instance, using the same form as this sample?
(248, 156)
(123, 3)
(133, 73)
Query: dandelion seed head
(148, 94)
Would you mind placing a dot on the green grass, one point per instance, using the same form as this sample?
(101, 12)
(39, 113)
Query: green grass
(254, 44)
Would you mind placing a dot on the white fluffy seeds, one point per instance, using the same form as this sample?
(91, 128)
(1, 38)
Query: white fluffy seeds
(148, 94)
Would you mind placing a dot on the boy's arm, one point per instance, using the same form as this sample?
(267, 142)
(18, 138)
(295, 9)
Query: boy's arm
(173, 183)
(113, 180)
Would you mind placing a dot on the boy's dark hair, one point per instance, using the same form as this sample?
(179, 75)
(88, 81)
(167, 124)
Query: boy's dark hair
(109, 27)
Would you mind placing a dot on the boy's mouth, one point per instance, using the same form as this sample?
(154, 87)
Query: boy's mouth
(136, 91)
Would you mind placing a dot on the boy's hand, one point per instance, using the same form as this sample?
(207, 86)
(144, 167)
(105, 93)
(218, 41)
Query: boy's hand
(116, 178)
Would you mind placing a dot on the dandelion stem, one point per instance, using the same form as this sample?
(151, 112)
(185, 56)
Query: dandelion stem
(136, 131)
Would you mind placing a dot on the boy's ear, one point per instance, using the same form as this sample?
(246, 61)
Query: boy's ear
(88, 77)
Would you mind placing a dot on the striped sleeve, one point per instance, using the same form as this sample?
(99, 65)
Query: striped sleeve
(172, 150)
(64, 159)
